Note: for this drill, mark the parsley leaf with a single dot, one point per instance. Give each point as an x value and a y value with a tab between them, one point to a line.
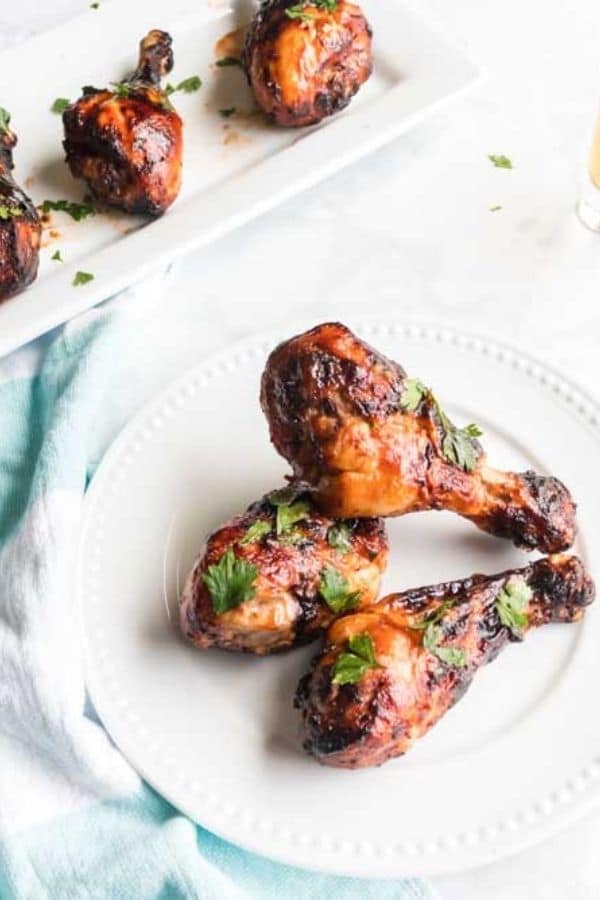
230	582
77	211
338	537
7	211
230	61
452	656
495	208
414	391
256	532
82	278
56	256
188	85
4	120
334	590
434	617
298	10
226	113
94	5
512	602
122	89
59	105
500	162
289	510
350	666
458	447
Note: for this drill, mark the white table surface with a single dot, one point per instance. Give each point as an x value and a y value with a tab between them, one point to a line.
409	231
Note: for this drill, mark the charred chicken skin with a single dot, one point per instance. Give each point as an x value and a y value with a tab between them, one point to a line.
127	143
389	673
369	441
306	61
277	575
20	228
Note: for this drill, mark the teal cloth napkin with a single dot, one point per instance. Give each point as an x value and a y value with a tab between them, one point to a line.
75	820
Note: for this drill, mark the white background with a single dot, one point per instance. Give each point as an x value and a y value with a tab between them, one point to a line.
409	231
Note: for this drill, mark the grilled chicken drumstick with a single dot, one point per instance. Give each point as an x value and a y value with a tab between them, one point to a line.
371	442
278	574
127	142
387	674
20	229
306	60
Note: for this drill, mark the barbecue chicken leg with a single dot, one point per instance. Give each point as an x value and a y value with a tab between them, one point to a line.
389	673
20	228
305	61
127	143
369	441
277	575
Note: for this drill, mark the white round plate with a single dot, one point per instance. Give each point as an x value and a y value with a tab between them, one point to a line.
216	733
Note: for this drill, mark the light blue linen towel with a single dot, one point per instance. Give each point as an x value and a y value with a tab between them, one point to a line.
75	820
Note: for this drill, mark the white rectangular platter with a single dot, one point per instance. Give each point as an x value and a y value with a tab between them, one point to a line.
234	169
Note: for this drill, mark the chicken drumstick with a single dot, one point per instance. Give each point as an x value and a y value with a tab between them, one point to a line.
127	142
277	576
20	228
387	674
371	442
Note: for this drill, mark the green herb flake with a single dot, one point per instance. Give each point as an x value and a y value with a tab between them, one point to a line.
77	211
4	120
227	112
188	85
122	89
350	666
94	5
256	532
287	516
59	105
230	61
458	447
413	393
56	256
7	212
335	591
338	537
230	582
500	162
495	208
82	278
512	603
451	656
298	11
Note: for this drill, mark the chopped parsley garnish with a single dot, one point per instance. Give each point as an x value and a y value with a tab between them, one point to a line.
256	532
56	256
227	112
432	635
414	391
188	85
82	278
4	120
94	5
289	510
298	11
230	582
512	602
495	208
457	443
500	162
122	89
338	537
335	591
452	656
77	211
59	105
351	665
7	212
230	61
